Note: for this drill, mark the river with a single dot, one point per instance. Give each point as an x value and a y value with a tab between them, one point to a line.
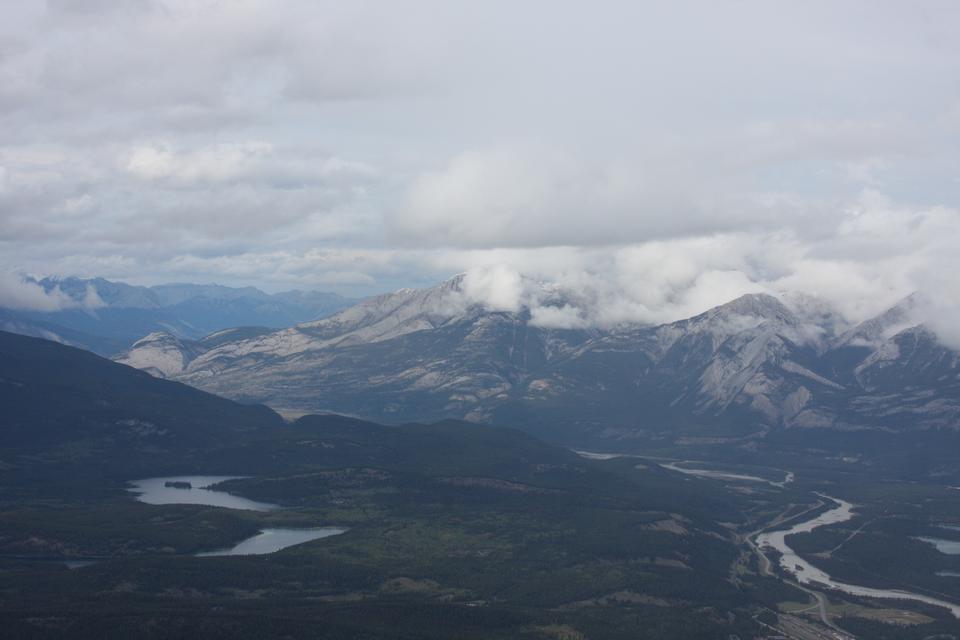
726	475
700	473
793	564
806	573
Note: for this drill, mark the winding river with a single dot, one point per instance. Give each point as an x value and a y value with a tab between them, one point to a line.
807	574
790	561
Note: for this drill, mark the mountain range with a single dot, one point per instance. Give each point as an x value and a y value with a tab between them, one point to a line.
452	519
107	317
756	366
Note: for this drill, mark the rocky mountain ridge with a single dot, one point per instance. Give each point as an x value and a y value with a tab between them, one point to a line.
755	364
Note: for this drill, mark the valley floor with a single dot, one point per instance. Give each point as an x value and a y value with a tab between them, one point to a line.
445	539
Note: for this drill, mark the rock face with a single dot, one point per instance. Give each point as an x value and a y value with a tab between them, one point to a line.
160	354
755	364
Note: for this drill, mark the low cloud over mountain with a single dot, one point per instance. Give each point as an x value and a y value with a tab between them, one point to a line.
369	147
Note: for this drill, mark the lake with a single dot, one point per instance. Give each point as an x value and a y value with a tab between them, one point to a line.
156	491
949	547
196	490
271	540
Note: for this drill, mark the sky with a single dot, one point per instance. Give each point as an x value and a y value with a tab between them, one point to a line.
659	158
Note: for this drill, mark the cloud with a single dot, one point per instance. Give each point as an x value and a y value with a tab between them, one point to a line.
944	321
564	316
21	292
541	196
880	253
18	292
217	163
499	288
599	296
642	157
939	306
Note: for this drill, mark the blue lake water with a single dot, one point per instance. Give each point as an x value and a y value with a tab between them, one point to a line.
155	491
272	540
949	547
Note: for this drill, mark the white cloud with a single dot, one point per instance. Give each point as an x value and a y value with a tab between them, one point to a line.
17	292
499	288
564	316
216	163
542	196
91	299
880	253
642	156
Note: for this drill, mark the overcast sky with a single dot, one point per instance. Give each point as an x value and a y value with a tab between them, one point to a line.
667	155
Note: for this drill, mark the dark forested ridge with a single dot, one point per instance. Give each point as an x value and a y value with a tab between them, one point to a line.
66	409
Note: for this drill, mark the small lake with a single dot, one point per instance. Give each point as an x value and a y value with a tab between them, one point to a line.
193	490
949	547
272	540
196	490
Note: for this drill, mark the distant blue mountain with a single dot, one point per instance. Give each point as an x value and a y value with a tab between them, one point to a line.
110	316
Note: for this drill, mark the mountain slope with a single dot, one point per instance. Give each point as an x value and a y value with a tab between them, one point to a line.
752	364
738	372
731	371
66	406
